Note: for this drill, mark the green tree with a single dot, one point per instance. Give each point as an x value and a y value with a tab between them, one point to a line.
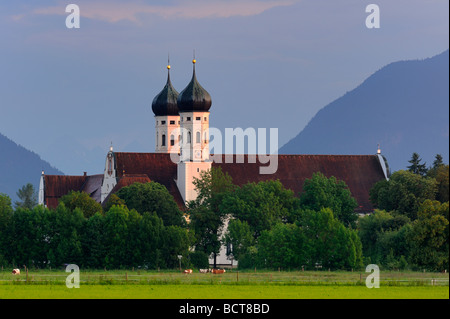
212	186
82	201
416	166
152	197
113	200
262	205
94	242
27	196
206	217
316	238
440	172
66	232
238	236
438	161
330	243
177	242
152	241
403	193
283	246
30	236
199	259
322	192
206	226
429	236
381	232
6	215
383	237
6	210
116	233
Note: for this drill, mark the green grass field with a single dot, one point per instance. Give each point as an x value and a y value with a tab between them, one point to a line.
219	292
231	285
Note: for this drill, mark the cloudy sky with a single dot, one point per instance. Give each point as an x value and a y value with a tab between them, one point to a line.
66	94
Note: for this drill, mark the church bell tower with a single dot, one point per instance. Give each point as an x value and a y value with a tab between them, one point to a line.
194	103
167	119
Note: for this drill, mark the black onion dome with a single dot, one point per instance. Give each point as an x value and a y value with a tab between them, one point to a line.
194	98
165	103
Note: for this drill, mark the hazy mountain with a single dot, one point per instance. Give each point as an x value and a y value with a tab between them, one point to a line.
404	106
19	166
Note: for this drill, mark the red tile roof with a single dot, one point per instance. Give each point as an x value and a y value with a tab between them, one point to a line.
57	186
157	166
359	172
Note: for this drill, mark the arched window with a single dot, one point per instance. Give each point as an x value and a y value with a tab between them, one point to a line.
163	140
189	138
197	138
110	165
172	140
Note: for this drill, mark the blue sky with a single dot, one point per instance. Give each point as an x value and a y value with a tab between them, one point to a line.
67	93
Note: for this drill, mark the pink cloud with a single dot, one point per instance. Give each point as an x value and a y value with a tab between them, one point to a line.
197	9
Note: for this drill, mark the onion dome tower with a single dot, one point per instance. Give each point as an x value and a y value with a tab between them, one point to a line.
194	103
194	98
165	103
167	119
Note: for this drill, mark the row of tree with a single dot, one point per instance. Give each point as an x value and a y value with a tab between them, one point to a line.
266	225
411	225
263	225
119	238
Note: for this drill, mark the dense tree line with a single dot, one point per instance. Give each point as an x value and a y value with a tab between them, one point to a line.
268	226
78	231
263	224
410	227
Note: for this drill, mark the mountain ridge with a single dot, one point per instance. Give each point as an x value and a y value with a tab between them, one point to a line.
403	106
19	166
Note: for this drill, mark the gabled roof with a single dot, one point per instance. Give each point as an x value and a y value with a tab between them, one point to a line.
359	172
157	166
56	186
92	186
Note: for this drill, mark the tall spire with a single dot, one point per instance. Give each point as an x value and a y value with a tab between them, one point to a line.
168	69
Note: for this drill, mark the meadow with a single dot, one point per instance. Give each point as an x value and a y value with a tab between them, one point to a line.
138	284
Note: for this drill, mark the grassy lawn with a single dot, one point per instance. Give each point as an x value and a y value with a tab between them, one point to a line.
219	292
231	285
